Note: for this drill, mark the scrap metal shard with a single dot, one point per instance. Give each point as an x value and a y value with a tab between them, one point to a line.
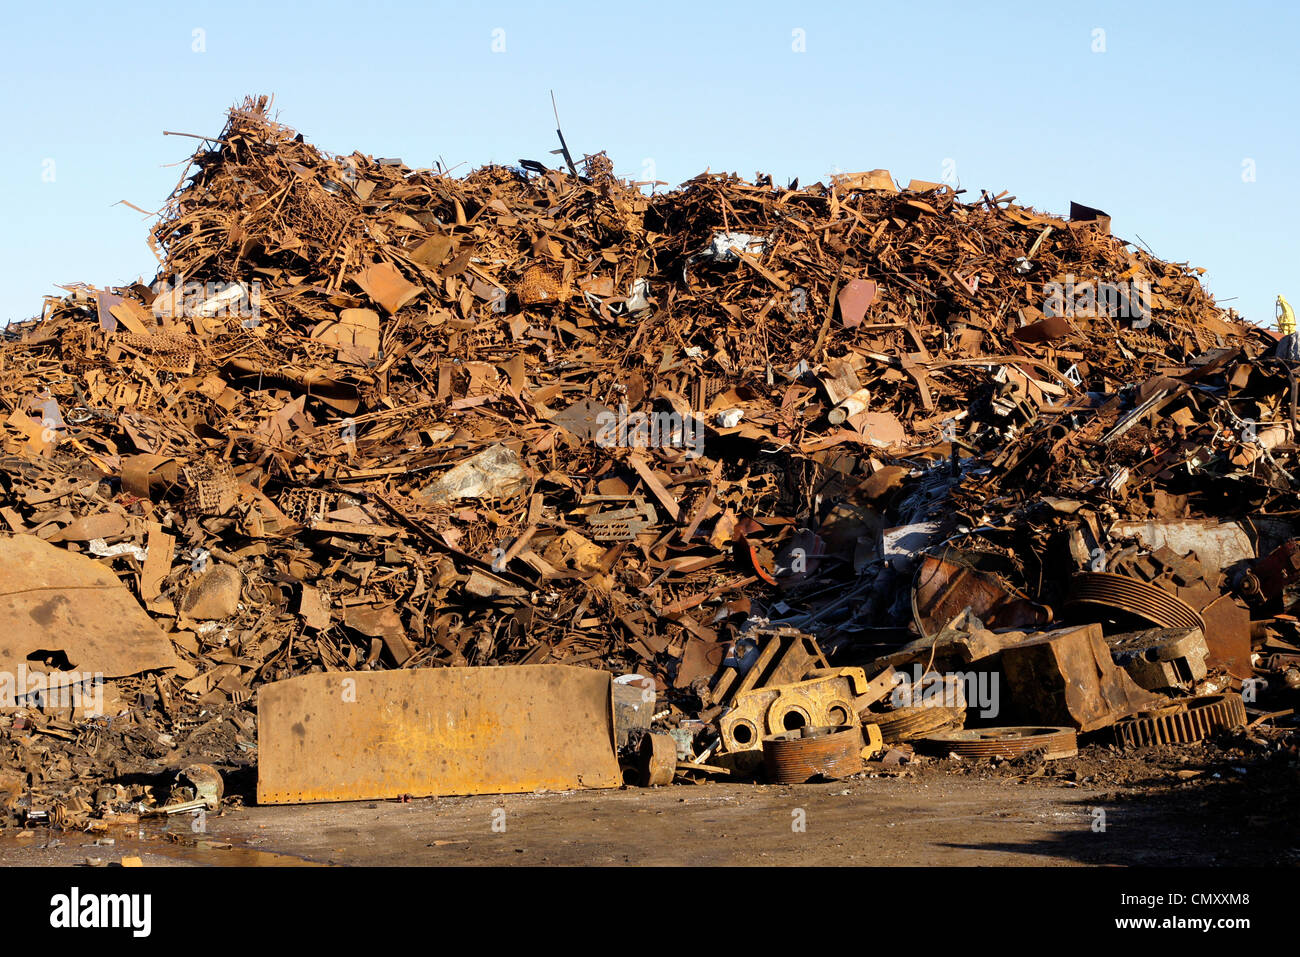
57	604
435	732
945	587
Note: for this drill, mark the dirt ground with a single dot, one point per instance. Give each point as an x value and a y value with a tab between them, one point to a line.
1199	805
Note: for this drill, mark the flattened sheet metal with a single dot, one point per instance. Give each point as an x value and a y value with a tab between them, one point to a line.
53	600
359	736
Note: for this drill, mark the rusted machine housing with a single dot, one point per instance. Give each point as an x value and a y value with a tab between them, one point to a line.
784	655
1275	577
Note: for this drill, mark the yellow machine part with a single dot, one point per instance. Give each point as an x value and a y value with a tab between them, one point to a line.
826	700
1285	316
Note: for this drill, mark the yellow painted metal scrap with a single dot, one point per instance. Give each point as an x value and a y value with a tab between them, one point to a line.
352	736
1285	316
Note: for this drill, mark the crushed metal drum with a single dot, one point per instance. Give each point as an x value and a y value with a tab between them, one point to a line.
657	760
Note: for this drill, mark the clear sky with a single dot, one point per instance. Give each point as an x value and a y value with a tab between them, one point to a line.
1179	119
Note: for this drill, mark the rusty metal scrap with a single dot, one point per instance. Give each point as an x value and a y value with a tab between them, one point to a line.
794	757
828	699
65	612
1138	597
1005	742
1274	578
370	418
435	732
1162	658
1185	721
905	724
1068	677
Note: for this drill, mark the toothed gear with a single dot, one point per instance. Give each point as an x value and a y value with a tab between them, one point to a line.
1183	722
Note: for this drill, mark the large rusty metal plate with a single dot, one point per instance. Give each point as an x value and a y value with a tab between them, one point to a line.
54	602
356	736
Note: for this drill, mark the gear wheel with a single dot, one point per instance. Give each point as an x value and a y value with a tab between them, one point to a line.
903	724
1182	722
1006	742
799	756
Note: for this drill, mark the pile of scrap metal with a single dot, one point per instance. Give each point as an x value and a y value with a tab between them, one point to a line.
372	419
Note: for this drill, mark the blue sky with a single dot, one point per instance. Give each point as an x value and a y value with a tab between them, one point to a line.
1159	120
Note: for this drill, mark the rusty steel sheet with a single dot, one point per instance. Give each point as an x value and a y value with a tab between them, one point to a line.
944	587
435	732
73	611
1227	636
